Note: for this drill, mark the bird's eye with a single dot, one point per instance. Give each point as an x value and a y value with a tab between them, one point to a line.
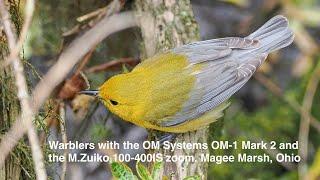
113	102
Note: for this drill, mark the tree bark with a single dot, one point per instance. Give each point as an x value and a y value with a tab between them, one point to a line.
9	104
9	110
166	24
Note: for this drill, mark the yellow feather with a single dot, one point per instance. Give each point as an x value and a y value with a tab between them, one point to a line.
157	88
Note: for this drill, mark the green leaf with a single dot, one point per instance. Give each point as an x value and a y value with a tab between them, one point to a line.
157	166
196	177
121	171
143	171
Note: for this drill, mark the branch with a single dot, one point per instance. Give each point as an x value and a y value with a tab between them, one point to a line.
305	120
68	58
110	64
23	34
77	49
64	138
6	22
83	63
27	115
92	14
276	90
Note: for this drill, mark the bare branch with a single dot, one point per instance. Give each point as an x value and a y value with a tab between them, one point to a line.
27	114
10	32
83	63
36	152
77	49
68	58
92	14
315	123
110	64
63	130
305	120
276	90
23	34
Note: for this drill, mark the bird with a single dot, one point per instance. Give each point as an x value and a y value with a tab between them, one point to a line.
188	87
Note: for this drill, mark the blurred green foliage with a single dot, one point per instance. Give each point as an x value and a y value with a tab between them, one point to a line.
99	132
51	20
275	121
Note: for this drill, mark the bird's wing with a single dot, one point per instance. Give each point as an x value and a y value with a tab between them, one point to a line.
213	49
227	64
219	78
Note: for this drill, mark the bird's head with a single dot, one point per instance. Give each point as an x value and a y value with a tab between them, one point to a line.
116	94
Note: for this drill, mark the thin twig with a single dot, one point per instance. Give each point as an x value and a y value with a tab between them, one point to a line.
315	123
27	115
23	34
6	22
85	60
107	65
36	153
64	138
92	14
276	90
77	81
68	58
305	120
95	17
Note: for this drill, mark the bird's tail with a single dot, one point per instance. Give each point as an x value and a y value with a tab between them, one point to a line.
273	35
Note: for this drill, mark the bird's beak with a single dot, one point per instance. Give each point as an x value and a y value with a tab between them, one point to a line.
90	92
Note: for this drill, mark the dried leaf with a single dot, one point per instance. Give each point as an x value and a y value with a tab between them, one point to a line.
72	86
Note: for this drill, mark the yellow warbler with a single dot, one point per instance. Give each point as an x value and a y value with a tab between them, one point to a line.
186	88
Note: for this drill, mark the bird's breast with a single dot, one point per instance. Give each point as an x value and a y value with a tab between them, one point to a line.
166	82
